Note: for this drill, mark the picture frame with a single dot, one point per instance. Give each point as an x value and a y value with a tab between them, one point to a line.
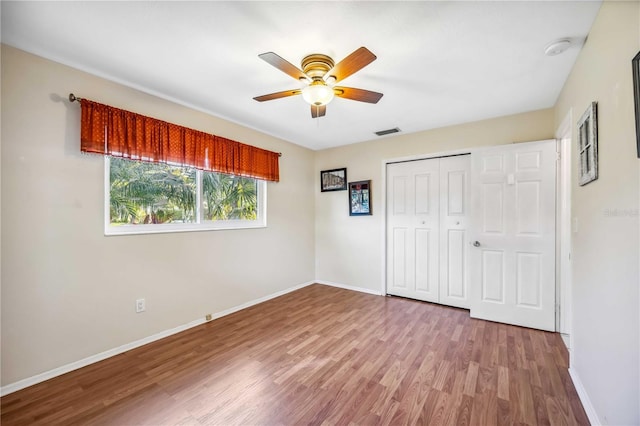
588	145
333	180
635	66
360	198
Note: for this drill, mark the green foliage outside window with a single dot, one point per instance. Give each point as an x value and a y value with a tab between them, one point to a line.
150	193
229	197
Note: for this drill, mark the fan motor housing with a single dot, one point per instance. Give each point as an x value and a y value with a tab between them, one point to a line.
316	65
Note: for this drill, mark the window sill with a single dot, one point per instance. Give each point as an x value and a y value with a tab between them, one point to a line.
172	228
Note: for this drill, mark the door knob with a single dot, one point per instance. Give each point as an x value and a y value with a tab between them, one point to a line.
476	244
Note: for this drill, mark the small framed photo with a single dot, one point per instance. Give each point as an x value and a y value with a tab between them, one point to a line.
588	145
333	180
635	65
360	198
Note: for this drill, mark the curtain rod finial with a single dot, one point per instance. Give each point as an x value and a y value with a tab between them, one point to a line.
73	98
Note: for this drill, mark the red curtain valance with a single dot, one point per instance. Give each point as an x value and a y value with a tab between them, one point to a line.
111	131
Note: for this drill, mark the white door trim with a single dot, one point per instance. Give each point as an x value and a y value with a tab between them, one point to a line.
563	230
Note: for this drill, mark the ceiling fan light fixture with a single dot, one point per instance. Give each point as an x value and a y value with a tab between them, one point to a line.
318	75
317	93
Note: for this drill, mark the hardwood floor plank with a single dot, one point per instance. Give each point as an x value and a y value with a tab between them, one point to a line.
487	379
485	408
388	412
320	355
504	412
455	401
463	417
525	396
503	383
540	407
471	379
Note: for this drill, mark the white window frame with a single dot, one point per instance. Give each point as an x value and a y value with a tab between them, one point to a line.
588	145
199	225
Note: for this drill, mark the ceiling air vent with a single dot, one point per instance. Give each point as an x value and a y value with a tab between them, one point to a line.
387	132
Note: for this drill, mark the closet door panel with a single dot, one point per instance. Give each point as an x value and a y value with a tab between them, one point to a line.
454	217
413	209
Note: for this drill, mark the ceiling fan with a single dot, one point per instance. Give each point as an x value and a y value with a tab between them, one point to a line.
319	75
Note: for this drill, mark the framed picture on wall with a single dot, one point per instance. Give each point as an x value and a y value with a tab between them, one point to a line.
360	198
635	65
588	145
333	180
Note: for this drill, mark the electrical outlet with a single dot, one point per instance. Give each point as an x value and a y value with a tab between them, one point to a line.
208	317
141	305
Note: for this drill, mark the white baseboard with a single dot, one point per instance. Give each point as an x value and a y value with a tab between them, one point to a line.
38	378
349	287
584	398
566	340
260	300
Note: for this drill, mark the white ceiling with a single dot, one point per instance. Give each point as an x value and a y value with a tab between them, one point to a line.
439	63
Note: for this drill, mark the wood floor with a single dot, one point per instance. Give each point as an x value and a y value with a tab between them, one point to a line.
320	355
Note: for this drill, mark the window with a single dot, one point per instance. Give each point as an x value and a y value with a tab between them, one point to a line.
588	145
145	198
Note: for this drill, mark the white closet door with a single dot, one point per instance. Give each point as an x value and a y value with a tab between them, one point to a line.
512	261
413	229
454	217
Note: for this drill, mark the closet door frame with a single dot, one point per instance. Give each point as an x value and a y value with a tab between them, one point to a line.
383	199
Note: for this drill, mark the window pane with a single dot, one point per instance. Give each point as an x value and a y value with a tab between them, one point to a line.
588	160
583	139
227	197
148	193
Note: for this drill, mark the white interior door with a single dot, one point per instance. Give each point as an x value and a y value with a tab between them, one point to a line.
512	260
454	217
412	229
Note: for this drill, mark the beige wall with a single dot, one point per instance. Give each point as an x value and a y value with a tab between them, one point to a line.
349	250
68	291
605	248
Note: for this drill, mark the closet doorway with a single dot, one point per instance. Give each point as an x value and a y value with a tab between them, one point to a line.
427	222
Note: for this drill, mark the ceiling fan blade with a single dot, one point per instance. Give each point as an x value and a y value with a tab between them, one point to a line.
278	95
318	111
283	65
357	94
357	60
